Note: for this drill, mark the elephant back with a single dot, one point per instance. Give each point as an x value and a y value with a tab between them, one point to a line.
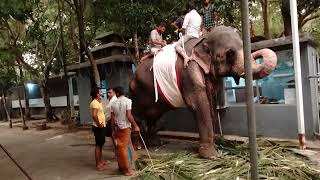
189	45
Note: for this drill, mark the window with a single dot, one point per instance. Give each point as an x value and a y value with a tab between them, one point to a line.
277	88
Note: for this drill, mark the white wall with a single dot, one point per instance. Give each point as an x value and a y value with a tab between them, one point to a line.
60	101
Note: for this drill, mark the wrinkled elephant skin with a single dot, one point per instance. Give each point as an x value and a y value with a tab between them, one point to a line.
218	55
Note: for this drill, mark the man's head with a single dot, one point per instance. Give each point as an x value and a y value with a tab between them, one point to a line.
96	93
110	93
161	28
205	2
119	91
190	6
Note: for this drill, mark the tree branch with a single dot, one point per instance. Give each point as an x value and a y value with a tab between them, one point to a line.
55	20
48	64
303	16
72	6
304	21
10	30
26	65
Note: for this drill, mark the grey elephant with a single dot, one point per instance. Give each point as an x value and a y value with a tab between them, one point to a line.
218	55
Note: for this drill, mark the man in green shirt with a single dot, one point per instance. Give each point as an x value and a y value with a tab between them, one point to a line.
209	15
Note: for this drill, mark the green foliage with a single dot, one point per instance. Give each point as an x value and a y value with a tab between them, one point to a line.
313	28
128	17
42	35
8	75
305	6
35	25
229	11
275	19
140	16
20	10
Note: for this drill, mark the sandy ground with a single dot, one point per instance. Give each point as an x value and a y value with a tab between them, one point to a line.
53	154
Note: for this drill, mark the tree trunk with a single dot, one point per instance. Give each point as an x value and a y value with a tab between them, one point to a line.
265	14
79	11
6	110
20	109
93	64
50	117
136	45
24	125
26	99
22	114
79	4
63	62
252	32
73	36
285	11
27	112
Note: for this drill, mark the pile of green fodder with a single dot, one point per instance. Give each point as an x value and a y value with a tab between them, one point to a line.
276	161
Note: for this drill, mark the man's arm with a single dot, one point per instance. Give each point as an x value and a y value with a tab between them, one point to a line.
156	42
174	24
112	123
215	14
154	39
216	18
183	31
95	117
185	23
132	121
202	25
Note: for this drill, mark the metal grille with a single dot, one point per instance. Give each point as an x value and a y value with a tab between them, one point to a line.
315	85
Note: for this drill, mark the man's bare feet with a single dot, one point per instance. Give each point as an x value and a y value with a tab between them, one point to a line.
129	173
104	162
101	167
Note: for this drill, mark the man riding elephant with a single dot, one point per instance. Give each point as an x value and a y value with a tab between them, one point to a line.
218	55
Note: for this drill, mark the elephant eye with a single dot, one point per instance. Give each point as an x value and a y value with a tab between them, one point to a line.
206	48
231	55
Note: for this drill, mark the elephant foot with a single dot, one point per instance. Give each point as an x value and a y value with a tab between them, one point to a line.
154	141
208	151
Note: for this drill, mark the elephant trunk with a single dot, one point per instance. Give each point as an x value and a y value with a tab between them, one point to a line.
267	66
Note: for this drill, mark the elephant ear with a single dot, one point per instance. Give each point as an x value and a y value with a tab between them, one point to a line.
201	54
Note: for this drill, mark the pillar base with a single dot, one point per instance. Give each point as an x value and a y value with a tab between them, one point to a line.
302	141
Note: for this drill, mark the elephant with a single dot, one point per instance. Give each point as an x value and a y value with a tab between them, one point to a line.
218	55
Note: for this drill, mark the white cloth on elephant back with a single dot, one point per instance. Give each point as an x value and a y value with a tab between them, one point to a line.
165	75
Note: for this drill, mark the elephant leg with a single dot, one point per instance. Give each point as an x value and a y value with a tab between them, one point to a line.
154	124
150	123
205	124
197	99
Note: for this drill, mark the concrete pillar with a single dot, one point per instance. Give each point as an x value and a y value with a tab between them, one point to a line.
71	94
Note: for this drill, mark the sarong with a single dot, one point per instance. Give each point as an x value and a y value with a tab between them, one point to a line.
125	152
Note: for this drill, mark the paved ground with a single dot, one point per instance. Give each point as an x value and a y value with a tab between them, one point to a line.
52	155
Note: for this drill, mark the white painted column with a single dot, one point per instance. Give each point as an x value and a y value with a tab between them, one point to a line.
297	71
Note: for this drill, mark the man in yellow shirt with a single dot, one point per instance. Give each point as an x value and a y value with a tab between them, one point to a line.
98	125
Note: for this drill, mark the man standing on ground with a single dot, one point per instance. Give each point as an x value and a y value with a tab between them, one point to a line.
122	121
209	15
111	95
98	125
